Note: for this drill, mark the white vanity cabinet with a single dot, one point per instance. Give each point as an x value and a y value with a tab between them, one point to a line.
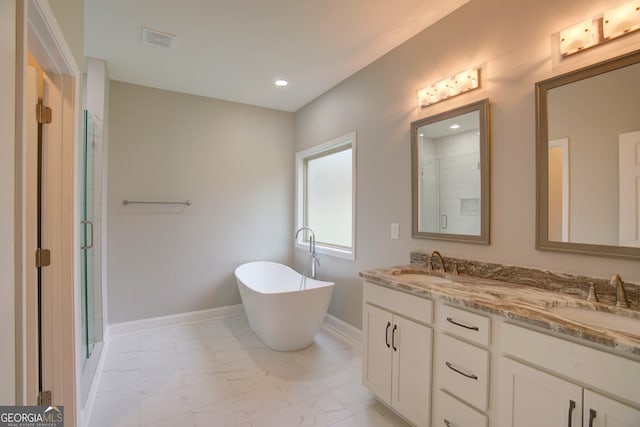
440	364
462	368
558	383
397	349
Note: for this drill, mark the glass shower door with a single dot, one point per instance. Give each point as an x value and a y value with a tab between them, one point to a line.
90	236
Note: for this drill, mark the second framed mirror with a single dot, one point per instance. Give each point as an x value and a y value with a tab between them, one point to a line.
450	175
588	160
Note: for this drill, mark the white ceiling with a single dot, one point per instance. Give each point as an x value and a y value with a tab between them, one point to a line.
235	49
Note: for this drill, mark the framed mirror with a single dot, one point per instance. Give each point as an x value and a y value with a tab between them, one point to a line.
450	175
588	160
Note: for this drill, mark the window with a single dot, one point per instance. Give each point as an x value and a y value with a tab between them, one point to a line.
326	196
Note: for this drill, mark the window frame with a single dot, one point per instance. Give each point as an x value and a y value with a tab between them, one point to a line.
321	150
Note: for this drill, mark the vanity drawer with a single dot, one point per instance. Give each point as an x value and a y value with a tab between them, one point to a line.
411	306
464	370
450	412
461	323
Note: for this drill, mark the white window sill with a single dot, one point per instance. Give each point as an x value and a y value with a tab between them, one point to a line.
325	250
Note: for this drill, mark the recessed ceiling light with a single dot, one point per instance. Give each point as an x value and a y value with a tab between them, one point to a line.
454	126
281	83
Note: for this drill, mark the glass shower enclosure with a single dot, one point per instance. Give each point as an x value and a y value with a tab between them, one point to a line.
91	247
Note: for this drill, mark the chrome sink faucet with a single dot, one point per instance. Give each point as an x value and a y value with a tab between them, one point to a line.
443	269
593	294
621	295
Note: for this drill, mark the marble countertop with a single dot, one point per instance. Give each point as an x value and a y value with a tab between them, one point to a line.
526	304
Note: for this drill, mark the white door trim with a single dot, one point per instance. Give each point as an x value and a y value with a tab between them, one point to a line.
629	189
563	145
39	34
7	200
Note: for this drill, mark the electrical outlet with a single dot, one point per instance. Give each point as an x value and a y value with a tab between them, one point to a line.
395	230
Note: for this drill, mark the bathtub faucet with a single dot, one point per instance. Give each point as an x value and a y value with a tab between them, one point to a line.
313	261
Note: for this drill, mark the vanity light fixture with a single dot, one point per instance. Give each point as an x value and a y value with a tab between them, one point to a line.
578	37
622	20
613	23
451	86
281	83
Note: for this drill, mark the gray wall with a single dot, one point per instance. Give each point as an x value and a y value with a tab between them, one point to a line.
513	42
233	161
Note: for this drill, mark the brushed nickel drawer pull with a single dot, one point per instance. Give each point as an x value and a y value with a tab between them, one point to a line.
462	325
453	368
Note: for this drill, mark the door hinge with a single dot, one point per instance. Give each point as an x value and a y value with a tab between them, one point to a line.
44	398
43	257
43	113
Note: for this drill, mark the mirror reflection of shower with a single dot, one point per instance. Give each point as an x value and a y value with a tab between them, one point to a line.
450	176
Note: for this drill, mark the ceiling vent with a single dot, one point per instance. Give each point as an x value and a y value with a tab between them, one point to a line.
158	38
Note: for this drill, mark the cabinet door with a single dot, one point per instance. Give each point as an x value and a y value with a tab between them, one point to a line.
376	366
532	398
411	388
600	411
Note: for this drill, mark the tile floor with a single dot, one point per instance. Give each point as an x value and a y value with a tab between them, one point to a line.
219	373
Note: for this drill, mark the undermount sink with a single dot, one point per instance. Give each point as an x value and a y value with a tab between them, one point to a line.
423	278
599	319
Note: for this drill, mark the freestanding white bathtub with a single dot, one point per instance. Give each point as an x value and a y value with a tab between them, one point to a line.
285	317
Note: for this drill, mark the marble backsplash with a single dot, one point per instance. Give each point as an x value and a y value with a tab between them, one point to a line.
558	282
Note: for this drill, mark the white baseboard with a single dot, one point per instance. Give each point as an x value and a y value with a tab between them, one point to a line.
344	330
85	414
331	323
174	320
